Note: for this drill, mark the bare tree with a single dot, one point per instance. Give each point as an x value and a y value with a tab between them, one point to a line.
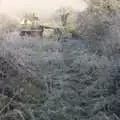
63	13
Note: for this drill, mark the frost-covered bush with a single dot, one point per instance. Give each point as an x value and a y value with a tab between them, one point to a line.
93	80
99	27
100	23
24	65
69	79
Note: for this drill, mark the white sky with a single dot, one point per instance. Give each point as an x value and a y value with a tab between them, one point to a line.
44	7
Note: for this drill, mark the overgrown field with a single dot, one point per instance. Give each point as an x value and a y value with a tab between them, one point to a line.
51	80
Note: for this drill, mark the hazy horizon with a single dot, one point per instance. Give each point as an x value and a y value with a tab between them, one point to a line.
43	7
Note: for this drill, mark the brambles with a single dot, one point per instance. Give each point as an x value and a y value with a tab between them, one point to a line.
70	79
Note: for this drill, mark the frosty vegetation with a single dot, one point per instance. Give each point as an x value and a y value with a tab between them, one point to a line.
72	79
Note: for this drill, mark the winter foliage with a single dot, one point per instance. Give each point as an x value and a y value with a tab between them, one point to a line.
71	79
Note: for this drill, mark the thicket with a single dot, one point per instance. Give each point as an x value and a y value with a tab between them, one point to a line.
67	80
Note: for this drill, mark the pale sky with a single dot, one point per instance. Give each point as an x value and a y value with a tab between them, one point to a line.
44	7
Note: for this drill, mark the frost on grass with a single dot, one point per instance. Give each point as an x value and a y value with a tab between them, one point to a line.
57	80
24	68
